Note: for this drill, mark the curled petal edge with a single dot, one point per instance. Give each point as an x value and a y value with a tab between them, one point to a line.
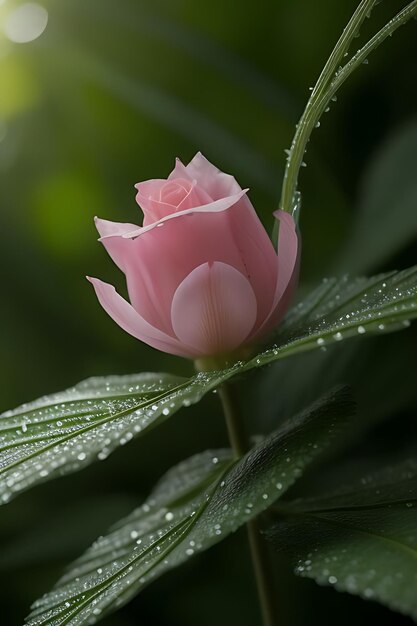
214	207
130	321
106	228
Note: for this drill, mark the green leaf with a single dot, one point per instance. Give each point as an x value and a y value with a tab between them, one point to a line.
345	308
195	506
387	219
62	433
379	384
361	539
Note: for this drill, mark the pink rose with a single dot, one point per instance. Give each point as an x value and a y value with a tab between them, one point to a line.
202	274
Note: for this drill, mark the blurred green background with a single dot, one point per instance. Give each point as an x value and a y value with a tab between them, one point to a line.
107	96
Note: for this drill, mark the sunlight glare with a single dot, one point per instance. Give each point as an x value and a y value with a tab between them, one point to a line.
26	22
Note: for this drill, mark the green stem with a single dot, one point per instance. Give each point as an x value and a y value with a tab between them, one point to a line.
330	80
260	560
313	110
361	55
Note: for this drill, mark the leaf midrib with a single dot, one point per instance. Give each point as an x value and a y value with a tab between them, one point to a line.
387	504
383	538
187	523
92	426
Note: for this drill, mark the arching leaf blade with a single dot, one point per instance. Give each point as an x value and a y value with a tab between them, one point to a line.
196	505
360	539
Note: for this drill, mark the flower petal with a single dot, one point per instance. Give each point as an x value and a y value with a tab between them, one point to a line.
213	207
288	257
257	254
161	258
159	198
179	171
110	229
209	177
127	318
110	236
214	309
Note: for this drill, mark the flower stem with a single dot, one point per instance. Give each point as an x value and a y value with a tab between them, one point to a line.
316	105
260	561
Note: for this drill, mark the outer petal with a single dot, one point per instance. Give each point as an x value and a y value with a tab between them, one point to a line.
108	229
134	324
256	252
250	238
161	258
288	255
209	177
110	233
214	309
213	207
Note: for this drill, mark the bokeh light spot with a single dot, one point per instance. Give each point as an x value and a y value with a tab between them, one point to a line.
26	22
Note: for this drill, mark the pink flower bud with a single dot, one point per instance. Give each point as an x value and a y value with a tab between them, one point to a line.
202	275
